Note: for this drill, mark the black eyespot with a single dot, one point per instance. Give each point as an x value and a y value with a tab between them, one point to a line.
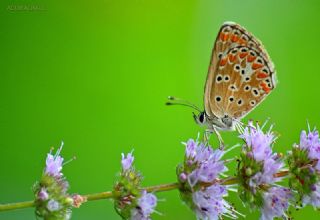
234	51
247	79
244	37
239	101
252	53
243	72
232	87
218	98
269	85
237	33
252	102
251	44
259	61
247	88
226	29
220	55
237	67
265	70
267	80
255	92
219	78
244	50
231	99
226	78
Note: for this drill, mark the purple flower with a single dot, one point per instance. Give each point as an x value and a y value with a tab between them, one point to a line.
204	165
145	206
127	161
209	203
311	143
314	197
53	205
275	203
259	147
258	142
206	161
54	163
43	194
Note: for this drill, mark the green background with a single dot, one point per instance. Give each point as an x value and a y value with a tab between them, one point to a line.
96	75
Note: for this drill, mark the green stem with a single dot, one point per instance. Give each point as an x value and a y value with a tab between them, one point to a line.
17	205
108	194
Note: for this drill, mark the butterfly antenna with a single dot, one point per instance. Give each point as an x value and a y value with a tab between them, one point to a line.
177	101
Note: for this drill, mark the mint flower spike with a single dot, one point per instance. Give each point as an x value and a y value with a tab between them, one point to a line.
52	200
276	202
54	163
145	206
127	161
304	164
130	201
203	165
257	174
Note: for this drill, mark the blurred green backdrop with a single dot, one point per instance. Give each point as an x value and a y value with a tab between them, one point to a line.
96	74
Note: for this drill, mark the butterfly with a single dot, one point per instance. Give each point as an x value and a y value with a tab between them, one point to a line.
240	76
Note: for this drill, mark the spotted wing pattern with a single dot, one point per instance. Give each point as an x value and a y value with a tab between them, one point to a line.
240	75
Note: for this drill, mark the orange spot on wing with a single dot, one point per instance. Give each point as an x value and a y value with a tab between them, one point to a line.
262	75
232	57
242	55
234	38
256	66
251	58
265	87
223	61
224	37
242	42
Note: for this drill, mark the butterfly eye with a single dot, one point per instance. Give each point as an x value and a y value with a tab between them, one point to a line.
201	117
237	67
218	98
247	88
255	92
252	102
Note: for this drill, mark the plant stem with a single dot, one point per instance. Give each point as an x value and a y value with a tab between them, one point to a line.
18	205
108	194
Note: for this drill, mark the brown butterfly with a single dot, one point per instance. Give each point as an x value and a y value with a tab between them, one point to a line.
240	77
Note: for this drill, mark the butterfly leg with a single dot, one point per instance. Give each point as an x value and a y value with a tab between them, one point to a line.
210	131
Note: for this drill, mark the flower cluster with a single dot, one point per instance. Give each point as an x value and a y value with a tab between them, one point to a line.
51	197
257	174
304	166
129	200
200	187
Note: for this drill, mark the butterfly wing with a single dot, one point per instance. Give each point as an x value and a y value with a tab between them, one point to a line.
240	74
